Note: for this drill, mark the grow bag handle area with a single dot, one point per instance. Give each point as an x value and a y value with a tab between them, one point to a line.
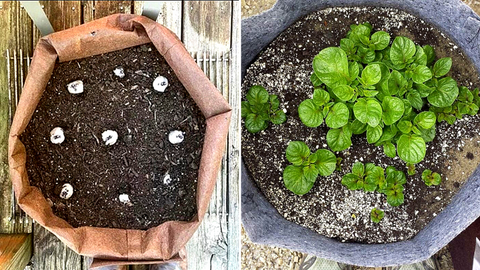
261	220
38	16
150	9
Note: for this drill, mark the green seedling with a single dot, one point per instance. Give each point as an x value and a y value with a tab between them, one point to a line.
260	109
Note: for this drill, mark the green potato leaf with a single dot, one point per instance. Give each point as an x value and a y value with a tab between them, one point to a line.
245	109
380	40
274	102
402	50
331	66
415	99
358	169
395	198
315	80
326	162
339	139
257	95
442	67
310	114
344	92
421	74
320	97
373	178
358	127
423	90
297	152
353	70
396	178
428	50
393	109
295	181
425	120
411	148
368	110
444	94
396	83
374	134
352	181
255	123
338	116
348	46
376	215
310	172
405	126
420	57
371	74
389	149
278	117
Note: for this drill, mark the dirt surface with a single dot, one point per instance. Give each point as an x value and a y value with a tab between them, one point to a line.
138	163
330	209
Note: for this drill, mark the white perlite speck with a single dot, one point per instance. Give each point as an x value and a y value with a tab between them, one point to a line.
109	137
57	136
75	87
167	179
160	84
67	191
176	136
124	199
119	72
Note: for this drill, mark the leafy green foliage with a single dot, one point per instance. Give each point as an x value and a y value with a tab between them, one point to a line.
394	93
371	178
260	109
431	178
376	215
302	174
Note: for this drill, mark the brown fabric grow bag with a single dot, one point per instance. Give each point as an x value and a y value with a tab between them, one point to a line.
116	32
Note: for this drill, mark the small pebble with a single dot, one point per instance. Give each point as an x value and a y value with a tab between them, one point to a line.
119	72
160	84
75	87
110	137
67	191
57	136
128	138
176	136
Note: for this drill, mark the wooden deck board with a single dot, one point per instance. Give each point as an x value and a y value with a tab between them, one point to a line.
170	15
205	27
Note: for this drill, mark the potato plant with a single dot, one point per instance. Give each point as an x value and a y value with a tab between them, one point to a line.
394	93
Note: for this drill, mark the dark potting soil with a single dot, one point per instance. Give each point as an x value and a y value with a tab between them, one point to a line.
284	68
137	164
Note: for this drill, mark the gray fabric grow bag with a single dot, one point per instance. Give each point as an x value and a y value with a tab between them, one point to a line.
262	221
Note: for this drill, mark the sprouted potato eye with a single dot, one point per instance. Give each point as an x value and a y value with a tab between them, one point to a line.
109	137
160	84
57	136
75	87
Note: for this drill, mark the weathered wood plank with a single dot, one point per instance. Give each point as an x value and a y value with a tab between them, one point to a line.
62	15
15	251
50	253
14	37
6	225
234	141
170	15
209	40
97	9
207	25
